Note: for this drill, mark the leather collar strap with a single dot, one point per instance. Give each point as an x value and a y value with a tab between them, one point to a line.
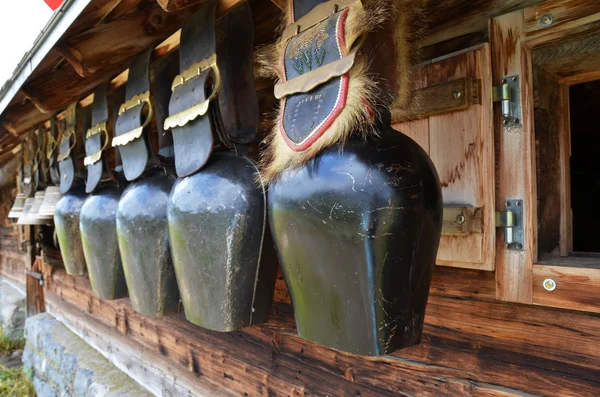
130	138
214	92
66	162
37	171
96	139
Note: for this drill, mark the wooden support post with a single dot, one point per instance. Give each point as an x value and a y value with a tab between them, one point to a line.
34	279
515	156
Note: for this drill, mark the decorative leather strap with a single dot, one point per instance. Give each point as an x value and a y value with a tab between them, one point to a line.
132	142
316	66
214	92
138	149
66	162
96	140
27	179
39	179
52	139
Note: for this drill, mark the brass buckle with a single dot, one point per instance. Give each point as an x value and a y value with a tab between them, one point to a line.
95	157
63	155
129	136
182	118
196	69
96	129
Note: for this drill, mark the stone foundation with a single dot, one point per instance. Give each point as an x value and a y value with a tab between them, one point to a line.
12	310
62	364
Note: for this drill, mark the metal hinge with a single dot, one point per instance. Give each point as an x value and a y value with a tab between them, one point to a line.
508	94
511	221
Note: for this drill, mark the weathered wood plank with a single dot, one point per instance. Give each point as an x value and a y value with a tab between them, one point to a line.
564	147
456	18
461	148
548	172
566	15
515	156
576	288
446	97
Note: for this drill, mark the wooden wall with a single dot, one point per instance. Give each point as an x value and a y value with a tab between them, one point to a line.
12	257
472	344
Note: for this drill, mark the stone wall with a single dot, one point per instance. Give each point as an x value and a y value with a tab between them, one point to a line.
12	310
62	364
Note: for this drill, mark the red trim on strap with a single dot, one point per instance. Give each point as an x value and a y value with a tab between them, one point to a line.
341	103
54	4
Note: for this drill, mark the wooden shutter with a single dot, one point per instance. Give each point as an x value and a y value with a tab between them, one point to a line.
451	118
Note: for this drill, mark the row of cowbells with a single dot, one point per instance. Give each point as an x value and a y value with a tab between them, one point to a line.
35	211
197	239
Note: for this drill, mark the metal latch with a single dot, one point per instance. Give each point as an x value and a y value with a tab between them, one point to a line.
511	221
36	275
508	94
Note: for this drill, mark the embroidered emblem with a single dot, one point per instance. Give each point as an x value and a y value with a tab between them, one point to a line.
309	43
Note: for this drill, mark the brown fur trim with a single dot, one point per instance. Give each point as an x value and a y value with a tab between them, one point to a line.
364	93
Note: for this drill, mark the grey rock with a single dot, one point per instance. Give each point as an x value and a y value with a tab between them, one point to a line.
64	365
12	310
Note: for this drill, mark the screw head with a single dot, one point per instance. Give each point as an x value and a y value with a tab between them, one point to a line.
549	284
460	219
546	19
514	78
457	94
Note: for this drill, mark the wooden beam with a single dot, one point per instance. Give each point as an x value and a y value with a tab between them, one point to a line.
117	41
564	148
455	18
515	156
568	17
441	98
176	5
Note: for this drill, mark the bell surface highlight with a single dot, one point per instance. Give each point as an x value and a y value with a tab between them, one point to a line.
98	223
17	208
143	236
66	221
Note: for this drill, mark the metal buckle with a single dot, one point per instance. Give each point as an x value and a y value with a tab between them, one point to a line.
137	100
68	134
96	129
196	69
95	157
182	118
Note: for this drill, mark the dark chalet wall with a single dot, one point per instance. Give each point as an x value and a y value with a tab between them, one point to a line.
472	345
